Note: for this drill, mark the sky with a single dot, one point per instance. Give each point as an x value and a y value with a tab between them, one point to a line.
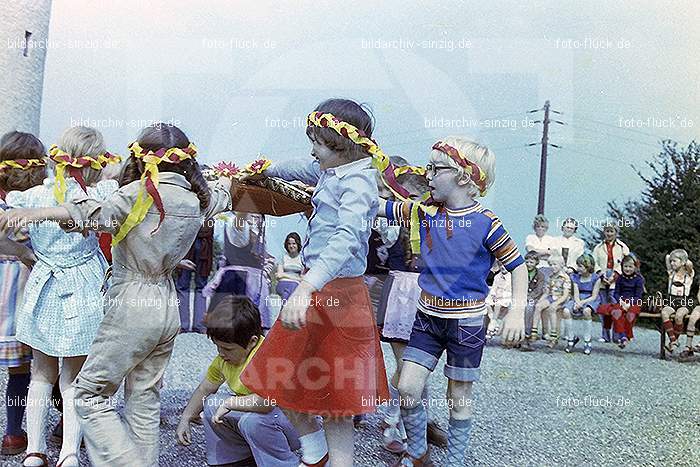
239	77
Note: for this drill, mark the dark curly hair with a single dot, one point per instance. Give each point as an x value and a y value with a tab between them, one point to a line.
234	320
162	135
296	237
358	115
17	145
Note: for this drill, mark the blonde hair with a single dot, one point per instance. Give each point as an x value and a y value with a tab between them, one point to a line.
556	259
83	141
680	254
474	152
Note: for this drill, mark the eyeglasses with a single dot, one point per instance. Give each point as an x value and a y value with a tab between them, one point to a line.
432	169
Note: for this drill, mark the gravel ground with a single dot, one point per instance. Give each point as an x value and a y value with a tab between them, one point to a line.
531	409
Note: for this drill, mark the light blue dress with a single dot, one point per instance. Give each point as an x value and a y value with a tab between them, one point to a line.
63	305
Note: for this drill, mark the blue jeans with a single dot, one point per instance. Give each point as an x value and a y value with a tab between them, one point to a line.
462	338
267	437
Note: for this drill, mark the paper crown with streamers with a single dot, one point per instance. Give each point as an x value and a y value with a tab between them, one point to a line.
22	164
475	173
381	162
148	193
74	165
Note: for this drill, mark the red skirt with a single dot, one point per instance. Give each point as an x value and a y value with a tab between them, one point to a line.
333	366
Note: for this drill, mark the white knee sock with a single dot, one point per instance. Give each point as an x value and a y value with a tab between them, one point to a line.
568	331
72	434
313	446
38	401
587	330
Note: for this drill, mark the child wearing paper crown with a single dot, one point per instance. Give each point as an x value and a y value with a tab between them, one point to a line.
22	166
322	356
154	218
62	306
459	241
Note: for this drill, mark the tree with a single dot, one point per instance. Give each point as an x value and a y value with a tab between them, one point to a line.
666	217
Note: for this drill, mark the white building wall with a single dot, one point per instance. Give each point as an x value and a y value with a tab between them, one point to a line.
22	77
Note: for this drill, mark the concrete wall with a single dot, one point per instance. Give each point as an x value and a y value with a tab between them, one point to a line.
22	77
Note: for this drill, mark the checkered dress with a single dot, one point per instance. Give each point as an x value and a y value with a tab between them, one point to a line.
63	304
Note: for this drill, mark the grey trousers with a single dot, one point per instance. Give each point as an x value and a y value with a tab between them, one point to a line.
133	345
269	438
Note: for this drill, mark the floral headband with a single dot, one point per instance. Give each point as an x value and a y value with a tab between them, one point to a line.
475	173
148	194
74	165
22	164
381	162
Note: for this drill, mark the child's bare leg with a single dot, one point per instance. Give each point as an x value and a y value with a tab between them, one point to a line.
392	414
339	435
397	348
312	437
459	396
413	413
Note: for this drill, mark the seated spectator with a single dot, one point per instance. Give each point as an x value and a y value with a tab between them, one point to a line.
568	245
290	269
541	243
240	427
608	256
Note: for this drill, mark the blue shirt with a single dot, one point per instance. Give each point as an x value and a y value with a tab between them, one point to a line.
345	203
453	281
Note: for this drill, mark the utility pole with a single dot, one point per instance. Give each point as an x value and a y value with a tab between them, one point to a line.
543	155
543	159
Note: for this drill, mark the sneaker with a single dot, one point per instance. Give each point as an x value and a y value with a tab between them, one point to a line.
622	343
671	346
571	344
13	444
553	343
587	347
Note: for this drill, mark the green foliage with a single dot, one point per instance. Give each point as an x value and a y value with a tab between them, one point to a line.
667	216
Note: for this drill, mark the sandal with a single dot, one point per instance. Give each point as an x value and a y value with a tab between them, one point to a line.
39	455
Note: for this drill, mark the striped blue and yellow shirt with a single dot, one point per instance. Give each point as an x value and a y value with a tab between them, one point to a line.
458	247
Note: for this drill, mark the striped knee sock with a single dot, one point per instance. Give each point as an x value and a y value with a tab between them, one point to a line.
458	441
416	423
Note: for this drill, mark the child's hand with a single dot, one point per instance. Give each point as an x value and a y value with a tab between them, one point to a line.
223	410
293	314
513	326
183	433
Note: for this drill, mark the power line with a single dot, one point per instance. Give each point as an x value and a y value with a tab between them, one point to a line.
598	132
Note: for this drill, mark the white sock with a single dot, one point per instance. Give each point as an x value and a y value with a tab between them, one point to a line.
587	330
38	401
72	434
313	446
568	331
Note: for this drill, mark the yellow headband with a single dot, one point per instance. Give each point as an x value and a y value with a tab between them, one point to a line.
380	161
74	165
22	164
148	194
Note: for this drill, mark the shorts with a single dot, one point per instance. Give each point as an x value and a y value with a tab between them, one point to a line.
464	340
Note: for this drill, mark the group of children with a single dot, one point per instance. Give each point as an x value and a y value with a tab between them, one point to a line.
606	282
299	386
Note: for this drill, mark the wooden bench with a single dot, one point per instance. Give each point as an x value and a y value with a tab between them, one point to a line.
659	327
